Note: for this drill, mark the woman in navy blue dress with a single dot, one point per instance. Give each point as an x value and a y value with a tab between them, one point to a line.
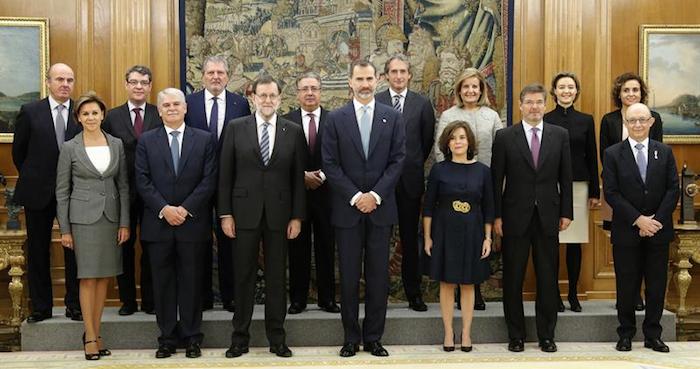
458	212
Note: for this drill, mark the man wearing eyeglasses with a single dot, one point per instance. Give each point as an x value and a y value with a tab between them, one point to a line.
311	117
261	196
127	122
641	185
211	109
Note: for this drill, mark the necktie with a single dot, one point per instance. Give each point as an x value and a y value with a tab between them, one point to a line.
312	132
365	129
214	118
641	161
265	144
138	122
397	103
60	126
535	146
175	149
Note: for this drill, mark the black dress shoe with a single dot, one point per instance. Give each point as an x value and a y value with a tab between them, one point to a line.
479	305
574	304
281	350
656	344
38	316
236	351
164	351
74	314
296	308
148	309
127	309
375	348
417	304
561	307
624	344
349	349
193	351
516	345
230	306
547	345
639	306
207	306
331	307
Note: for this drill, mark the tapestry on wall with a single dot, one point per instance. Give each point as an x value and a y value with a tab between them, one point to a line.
285	38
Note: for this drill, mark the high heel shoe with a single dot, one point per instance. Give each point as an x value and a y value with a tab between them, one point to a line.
574	304
103	351
90	356
465	348
450	348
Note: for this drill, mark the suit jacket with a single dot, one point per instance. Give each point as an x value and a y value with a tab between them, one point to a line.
192	188
419	118
248	189
348	170
236	107
118	124
83	194
35	153
549	187
313	159
631	197
611	130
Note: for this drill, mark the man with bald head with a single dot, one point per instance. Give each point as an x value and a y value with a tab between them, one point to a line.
42	127
641	185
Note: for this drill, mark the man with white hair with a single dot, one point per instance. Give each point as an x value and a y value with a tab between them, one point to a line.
176	178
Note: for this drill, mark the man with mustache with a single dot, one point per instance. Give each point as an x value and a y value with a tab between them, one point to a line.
363	151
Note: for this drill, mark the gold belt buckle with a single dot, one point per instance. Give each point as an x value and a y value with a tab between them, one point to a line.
461	206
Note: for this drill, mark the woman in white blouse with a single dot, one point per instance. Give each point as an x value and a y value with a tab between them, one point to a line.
92	195
472	106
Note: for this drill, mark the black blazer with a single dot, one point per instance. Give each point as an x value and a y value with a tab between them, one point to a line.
549	187
419	119
584	155
118	124
248	189
630	197
192	188
35	153
611	130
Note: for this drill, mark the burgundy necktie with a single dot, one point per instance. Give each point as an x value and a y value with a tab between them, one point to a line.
535	146
312	132
138	122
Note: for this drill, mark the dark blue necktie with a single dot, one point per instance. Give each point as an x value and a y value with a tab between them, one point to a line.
214	118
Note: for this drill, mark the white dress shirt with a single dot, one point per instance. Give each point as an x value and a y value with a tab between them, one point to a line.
209	104
53	104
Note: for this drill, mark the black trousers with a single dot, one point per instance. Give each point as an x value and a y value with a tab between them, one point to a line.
516	251
176	269
317	228
366	243
645	260
39	225
245	256
127	280
224	260
409	214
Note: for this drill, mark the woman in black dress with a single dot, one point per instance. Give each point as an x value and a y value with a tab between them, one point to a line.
584	160
458	212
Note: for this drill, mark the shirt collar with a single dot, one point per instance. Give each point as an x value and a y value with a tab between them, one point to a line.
644	142
358	105
528	127
53	103
132	106
316	113
394	93
180	129
208	95
259	120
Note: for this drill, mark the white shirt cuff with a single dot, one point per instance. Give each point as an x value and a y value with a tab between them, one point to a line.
376	197
353	200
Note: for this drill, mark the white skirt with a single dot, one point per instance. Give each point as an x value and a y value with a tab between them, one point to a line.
578	229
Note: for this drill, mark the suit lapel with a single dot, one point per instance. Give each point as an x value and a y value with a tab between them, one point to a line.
379	122
251	132
72	127
653	159
150	119
163	141
126	119
81	154
113	157
280	139
353	129
629	161
187	144
545	144
521	141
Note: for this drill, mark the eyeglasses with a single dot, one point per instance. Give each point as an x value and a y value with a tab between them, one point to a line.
309	88
264	97
134	83
638	120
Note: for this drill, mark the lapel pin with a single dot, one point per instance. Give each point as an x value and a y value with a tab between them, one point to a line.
383	120
656	155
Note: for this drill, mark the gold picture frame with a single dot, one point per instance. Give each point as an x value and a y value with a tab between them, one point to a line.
24	54
667	65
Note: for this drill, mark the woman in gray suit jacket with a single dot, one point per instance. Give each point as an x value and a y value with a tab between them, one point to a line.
92	195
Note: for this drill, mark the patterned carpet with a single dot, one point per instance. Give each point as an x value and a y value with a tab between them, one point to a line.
485	356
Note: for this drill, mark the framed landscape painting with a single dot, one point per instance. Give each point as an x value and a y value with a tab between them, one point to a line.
669	61
24	58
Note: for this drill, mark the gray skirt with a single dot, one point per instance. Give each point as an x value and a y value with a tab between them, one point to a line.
97	252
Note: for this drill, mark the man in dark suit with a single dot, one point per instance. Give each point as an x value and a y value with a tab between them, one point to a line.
225	106
261	197
363	150
176	178
418	115
127	122
532	178
312	118
641	185
42	127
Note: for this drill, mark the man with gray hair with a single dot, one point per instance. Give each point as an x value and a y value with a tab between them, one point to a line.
211	109
176	178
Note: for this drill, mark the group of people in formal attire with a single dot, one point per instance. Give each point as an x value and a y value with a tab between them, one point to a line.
198	169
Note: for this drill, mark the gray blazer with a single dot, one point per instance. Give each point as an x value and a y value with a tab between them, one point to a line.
83	194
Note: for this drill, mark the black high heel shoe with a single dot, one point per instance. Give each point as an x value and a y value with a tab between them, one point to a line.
450	348
103	352
574	304
90	356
